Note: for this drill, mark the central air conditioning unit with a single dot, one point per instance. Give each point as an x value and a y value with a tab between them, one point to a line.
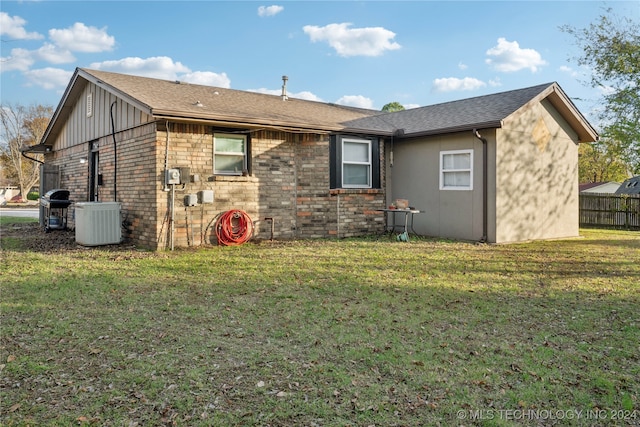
98	223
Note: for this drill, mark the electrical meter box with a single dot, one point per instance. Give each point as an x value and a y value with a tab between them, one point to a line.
205	196
172	176
185	175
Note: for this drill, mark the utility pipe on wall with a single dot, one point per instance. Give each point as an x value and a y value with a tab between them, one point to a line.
173	219
485	186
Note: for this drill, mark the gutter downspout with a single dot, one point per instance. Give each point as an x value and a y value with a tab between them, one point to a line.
31	158
115	154
485	186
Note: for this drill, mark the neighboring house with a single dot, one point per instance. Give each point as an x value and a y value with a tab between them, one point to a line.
630	186
304	169
599	187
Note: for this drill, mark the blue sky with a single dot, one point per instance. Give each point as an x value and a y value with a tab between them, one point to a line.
359	53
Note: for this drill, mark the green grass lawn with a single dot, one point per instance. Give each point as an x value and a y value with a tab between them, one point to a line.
356	332
7	220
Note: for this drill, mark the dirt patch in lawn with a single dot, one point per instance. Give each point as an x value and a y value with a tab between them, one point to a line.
32	237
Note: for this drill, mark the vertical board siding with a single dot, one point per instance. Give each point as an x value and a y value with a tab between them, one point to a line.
80	129
610	210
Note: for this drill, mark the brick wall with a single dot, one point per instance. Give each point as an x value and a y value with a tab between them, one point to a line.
137	178
288	186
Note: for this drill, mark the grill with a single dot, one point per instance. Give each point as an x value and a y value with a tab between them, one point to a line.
55	204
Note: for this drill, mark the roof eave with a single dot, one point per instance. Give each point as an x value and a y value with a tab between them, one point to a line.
67	102
115	91
237	121
362	131
37	149
573	116
454	129
62	107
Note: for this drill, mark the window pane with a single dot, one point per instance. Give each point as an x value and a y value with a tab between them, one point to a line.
456	161
462	161
356	152
229	164
457	179
355	175
447	161
228	144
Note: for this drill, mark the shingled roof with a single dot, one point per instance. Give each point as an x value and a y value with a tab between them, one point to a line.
630	186
480	112
175	100
163	98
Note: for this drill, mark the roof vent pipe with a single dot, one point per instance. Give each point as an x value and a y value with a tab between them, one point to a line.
284	88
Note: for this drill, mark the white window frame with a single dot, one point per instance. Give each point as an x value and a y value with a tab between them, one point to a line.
230	153
368	163
444	171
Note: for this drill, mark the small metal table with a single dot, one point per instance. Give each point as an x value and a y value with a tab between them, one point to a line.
405	224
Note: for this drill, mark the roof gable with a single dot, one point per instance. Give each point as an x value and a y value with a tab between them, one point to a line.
480	112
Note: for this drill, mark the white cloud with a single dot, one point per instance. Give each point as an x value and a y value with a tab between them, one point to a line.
80	38
462	66
159	67
20	60
410	106
53	54
371	41
13	27
495	82
507	56
569	70
48	78
206	78
306	95
269	10
355	101
450	84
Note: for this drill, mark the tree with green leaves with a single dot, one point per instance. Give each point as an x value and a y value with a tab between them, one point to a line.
611	50
21	127
393	106
602	161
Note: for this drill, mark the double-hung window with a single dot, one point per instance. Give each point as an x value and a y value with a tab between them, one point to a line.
229	154
356	163
456	170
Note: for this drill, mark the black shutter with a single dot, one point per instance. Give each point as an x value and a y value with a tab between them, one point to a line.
375	163
335	155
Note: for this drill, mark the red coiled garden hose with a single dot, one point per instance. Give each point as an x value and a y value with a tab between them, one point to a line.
233	227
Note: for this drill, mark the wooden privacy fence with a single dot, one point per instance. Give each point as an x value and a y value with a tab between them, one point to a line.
610	210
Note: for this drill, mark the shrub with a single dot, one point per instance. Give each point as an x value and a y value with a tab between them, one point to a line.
33	195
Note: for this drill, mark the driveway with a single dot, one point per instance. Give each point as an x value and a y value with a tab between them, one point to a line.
20	212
